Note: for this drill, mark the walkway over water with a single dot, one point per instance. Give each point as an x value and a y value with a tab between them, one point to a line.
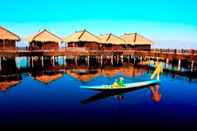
156	53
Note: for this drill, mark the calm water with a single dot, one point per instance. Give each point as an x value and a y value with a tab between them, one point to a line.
51	96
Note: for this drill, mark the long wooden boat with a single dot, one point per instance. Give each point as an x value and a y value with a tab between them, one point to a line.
126	86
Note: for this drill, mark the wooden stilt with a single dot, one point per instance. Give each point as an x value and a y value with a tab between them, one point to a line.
192	66
0	64
42	61
53	60
117	60
76	60
122	59
112	59
32	61
88	60
134	59
101	60
65	63
167	63
179	65
28	61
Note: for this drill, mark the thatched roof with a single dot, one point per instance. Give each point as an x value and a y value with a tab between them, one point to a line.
7	35
136	39
82	36
44	36
111	39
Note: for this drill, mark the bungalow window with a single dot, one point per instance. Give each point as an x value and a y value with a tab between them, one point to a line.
109	45
81	44
39	45
125	46
1	41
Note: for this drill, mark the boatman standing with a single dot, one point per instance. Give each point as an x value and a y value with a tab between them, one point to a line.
158	70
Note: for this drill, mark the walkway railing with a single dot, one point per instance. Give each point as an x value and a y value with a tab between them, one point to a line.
85	51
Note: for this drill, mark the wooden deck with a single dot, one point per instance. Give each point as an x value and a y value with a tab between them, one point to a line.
160	53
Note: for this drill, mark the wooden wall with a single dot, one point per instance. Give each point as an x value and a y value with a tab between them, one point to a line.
50	45
97	46
44	45
142	47
8	44
116	47
88	45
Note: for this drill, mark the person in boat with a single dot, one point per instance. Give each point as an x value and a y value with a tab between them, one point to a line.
118	83
158	70
115	84
121	82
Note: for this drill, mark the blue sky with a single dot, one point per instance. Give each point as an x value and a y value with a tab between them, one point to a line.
161	20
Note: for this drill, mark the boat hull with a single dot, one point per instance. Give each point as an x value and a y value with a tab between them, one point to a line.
127	86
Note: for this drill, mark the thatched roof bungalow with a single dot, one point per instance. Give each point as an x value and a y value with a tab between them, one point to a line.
83	39
110	41
137	41
44	40
8	39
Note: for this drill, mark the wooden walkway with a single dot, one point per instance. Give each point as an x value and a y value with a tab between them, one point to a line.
155	53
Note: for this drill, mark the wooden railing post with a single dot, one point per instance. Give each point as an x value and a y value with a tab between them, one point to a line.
42	61
179	65
112	59
65	63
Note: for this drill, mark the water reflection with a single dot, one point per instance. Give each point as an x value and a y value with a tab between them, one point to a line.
87	74
9	74
48	69
45	73
156	96
62	99
5	85
48	77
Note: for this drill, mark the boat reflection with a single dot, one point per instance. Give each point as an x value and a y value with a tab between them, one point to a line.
119	97
119	94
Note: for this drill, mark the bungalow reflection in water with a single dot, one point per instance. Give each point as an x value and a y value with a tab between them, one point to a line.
9	74
12	75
